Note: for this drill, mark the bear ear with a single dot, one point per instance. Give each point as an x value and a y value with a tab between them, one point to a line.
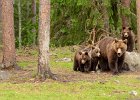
116	40
86	53
125	41
124	27
130	28
80	52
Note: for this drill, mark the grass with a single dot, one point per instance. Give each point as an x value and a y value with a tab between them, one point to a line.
25	64
113	88
65	91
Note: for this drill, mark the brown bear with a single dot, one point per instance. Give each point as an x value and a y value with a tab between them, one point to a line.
86	60
82	61
112	54
128	34
95	55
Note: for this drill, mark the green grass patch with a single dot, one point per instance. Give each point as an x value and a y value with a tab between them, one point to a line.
67	65
28	52
66	91
25	64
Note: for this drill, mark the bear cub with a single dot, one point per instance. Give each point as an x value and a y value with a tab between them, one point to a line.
95	56
128	34
86	60
82	61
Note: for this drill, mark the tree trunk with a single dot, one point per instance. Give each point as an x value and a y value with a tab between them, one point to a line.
34	21
8	38
44	41
0	25
106	19
138	23
28	7
115	15
105	15
19	15
125	18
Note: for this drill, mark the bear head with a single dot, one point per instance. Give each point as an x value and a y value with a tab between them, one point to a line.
126	32
84	56
95	51
120	47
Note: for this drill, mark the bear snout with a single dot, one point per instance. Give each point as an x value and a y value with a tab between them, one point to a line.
126	34
83	61
119	52
98	54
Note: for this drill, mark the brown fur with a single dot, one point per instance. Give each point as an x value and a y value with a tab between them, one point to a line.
95	55
112	54
90	55
82	61
128	34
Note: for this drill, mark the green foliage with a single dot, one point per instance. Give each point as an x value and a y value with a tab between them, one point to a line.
26	23
72	19
69	19
133	16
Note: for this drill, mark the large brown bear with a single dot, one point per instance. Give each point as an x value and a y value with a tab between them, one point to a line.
112	54
82	61
128	34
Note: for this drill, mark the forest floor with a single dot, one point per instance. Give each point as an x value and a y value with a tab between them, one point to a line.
70	85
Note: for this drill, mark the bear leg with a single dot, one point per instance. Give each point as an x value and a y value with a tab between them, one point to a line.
75	66
103	64
81	68
113	67
87	66
93	65
120	63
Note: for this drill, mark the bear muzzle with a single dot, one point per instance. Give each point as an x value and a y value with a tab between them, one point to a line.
119	52
83	61
98	54
126	34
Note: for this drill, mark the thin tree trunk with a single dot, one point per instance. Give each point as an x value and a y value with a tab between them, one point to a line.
125	18
9	54
28	4
0	25
115	15
44	40
19	15
0	10
105	15
106	19
34	21
138	23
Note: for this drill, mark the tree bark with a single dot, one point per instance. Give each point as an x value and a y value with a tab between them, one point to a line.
0	25
8	38
19	15
115	15
27	8
138	23
34	21
44	41
105	15
125	18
